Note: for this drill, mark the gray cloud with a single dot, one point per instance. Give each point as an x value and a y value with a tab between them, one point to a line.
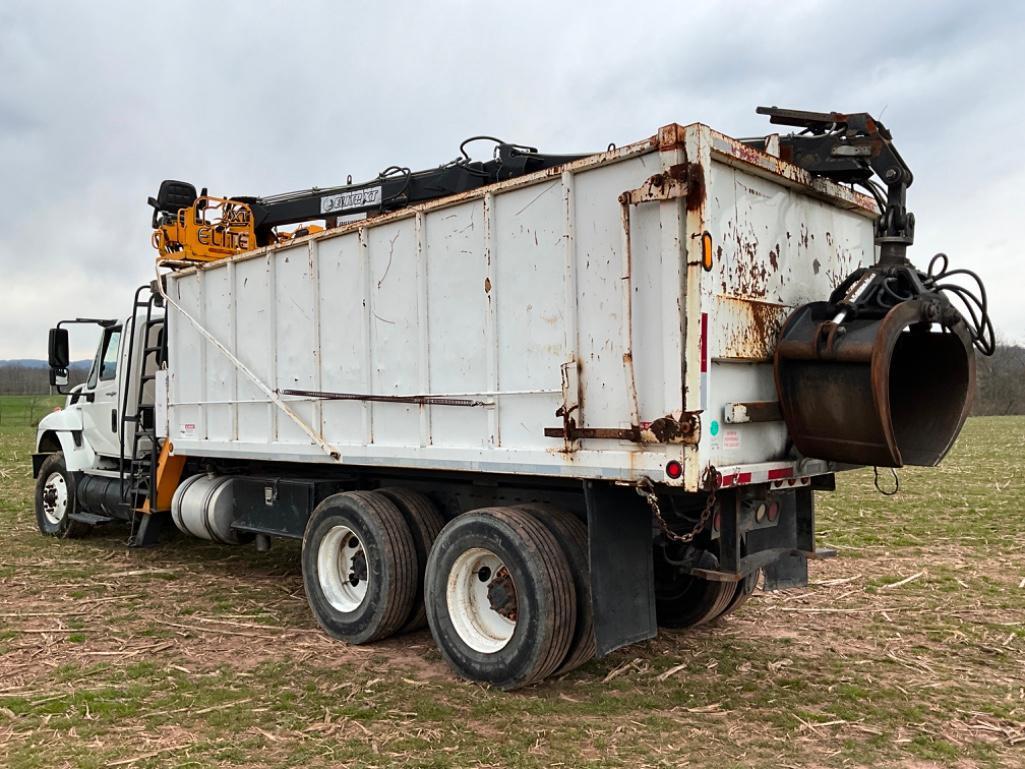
100	101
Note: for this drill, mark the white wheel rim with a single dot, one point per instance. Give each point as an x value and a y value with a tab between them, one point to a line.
342	569
482	626
55	498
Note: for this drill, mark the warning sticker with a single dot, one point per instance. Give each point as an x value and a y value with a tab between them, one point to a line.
731	439
186	429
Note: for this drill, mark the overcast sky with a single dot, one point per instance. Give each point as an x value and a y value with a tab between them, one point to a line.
99	101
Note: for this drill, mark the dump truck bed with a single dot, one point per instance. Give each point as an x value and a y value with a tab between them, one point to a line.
605	319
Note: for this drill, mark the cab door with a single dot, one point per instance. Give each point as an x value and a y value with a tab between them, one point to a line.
101	400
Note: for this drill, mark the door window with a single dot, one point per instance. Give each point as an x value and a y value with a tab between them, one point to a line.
108	368
105	367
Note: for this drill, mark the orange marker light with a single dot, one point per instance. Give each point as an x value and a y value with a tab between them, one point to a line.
706	252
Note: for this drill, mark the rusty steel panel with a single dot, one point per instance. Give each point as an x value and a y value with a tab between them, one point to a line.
749	328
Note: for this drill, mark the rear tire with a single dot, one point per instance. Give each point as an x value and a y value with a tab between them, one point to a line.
359	566
744	590
500	597
687	601
571	533
425	523
56	499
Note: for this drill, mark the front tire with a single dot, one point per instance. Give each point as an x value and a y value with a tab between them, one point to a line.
55	499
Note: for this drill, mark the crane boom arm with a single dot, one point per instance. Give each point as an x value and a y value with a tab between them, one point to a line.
197	227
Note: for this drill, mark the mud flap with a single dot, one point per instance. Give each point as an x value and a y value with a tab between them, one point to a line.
619	539
790	570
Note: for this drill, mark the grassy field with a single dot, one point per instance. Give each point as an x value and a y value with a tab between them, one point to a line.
907	650
26	410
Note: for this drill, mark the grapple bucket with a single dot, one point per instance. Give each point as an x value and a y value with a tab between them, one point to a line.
887	392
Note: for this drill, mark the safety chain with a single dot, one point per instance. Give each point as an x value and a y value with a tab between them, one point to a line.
709	480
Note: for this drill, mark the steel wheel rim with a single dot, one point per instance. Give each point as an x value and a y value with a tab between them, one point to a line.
55	498
481	600
342	569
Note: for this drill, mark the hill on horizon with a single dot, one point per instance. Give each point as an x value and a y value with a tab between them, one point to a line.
36	363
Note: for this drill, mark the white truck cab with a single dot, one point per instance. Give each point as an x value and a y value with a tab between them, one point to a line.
90	436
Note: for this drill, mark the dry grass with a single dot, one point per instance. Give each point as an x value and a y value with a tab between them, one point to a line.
907	650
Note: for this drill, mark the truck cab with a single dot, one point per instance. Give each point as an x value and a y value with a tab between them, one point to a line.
104	431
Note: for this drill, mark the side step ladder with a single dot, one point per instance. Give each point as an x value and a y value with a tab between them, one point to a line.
149	468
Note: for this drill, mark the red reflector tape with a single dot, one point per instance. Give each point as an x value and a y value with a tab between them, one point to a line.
782	472
726	480
743	477
704	342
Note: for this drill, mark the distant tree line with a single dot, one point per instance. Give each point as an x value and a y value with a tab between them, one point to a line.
18	379
1000	382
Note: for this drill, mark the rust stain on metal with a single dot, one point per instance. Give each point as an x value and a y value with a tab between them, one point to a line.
752	411
752	329
844	263
695	176
672	428
670	137
938	369
676	428
502	594
734	150
748	274
670	184
487	285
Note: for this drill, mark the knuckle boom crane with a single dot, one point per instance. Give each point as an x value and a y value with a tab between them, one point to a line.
195	227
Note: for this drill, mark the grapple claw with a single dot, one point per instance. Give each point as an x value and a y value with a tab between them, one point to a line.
886	392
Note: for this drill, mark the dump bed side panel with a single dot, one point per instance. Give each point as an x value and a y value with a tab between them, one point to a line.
480	305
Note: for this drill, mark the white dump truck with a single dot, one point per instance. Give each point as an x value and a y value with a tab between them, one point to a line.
543	404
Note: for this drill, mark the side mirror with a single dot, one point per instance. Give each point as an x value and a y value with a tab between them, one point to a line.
58	377
59	354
